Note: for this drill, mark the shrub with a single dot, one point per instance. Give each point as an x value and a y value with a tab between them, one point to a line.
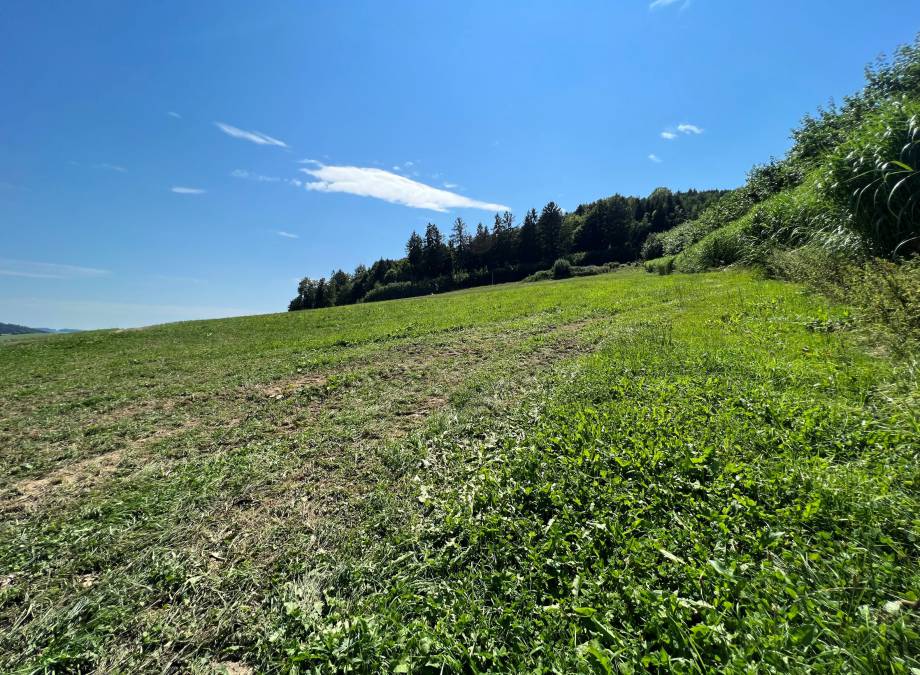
542	275
652	247
888	295
400	289
574	271
562	269
723	247
766	180
663	265
591	270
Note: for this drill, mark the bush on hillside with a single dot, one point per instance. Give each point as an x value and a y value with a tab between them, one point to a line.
542	275
399	289
573	271
653	247
591	270
562	269
663	265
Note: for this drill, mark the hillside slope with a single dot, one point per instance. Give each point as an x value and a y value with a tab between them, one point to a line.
623	471
16	329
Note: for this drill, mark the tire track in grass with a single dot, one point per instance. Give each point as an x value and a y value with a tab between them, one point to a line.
172	508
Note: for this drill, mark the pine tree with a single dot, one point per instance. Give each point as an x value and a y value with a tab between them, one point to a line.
415	253
436	258
481	245
321	297
528	242
549	232
460	246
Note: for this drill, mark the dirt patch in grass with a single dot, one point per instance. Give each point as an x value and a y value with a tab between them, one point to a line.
28	494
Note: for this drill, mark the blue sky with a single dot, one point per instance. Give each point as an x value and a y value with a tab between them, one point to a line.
174	160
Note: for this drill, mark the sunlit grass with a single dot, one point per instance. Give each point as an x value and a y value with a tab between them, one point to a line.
622	472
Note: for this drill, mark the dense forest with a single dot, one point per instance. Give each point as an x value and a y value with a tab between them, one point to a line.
609	230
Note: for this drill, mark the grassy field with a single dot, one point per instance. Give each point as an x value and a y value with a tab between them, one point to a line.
619	473
18	337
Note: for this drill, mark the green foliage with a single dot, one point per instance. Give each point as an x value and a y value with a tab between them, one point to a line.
572	271
562	269
652	247
722	247
796	217
769	179
399	289
663	265
875	174
791	218
730	207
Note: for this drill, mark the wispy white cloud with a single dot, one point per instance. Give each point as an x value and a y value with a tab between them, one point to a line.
655	158
174	114
110	167
179	190
307	160
658	4
450	186
242	173
689	129
668	135
252	136
287	235
101	165
390	187
43	270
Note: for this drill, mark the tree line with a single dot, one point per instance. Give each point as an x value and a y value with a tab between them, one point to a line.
608	230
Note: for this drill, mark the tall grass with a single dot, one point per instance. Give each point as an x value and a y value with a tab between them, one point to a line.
875	174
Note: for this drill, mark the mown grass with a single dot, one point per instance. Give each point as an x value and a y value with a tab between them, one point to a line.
618	473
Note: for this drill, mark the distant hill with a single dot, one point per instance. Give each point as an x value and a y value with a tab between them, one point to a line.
16	329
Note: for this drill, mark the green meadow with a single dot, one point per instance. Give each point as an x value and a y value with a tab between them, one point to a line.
619	473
